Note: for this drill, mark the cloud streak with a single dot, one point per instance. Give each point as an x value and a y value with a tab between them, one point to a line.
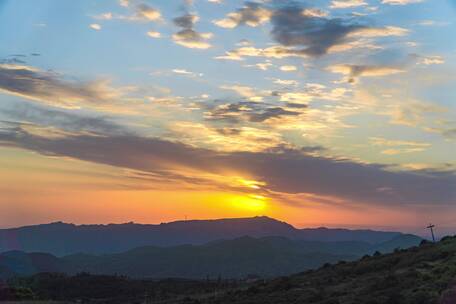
283	171
49	88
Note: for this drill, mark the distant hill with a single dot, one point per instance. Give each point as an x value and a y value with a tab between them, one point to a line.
63	239
265	257
13	263
237	258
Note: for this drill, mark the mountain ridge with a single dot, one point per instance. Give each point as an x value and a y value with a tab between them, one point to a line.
234	259
62	239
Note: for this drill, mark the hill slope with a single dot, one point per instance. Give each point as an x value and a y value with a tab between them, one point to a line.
63	239
419	275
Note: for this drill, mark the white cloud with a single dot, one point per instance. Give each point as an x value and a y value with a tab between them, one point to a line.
430	60
400	2
288	68
153	34
340	4
95	26
186	72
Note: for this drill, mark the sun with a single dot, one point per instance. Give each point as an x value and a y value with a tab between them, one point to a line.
250	202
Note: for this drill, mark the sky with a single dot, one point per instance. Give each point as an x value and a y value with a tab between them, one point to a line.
320	113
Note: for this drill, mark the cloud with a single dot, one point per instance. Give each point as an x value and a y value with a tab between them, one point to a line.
340	4
227	138
249	111
22	114
400	2
245	91
288	68
354	72
50	88
141	12
124	3
153	34
305	32
314	12
288	171
252	14
369	32
188	37
264	66
146	12
104	16
315	35
186	73
430	60
95	26
398	146
287	82
277	52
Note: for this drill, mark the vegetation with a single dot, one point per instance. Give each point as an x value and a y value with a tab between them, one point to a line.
423	274
87	288
419	275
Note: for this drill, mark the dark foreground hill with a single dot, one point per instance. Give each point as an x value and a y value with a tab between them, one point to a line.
63	239
264	257
420	275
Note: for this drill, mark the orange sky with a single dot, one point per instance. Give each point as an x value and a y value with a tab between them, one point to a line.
46	189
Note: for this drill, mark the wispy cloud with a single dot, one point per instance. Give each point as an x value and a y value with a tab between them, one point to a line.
50	88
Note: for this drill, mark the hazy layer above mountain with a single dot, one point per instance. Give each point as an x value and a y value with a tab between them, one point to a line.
63	239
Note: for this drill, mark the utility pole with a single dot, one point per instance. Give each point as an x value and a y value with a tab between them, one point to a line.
431	227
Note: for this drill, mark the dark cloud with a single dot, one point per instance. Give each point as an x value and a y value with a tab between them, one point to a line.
228	131
295	105
66	120
252	14
48	87
250	111
315	34
188	36
273	112
451	133
12	60
286	171
185	21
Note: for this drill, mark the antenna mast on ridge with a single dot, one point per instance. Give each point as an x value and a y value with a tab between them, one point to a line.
431	227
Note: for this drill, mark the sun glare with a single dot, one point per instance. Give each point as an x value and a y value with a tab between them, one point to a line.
253	184
250	202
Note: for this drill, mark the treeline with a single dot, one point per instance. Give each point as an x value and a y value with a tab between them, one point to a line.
87	288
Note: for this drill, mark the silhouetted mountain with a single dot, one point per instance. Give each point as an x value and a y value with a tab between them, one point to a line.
237	258
63	239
